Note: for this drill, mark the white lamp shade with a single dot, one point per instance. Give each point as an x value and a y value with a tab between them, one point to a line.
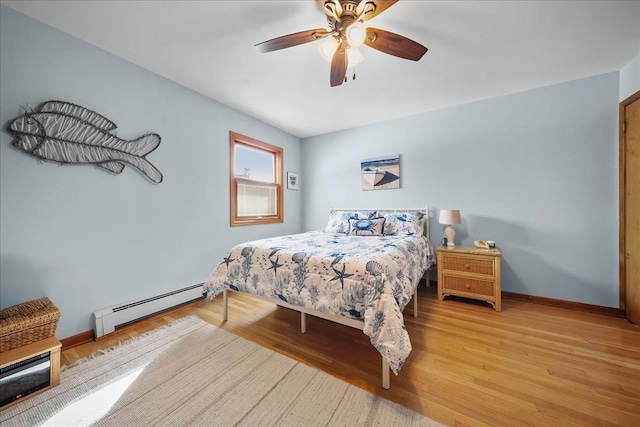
449	216
356	34
354	57
327	48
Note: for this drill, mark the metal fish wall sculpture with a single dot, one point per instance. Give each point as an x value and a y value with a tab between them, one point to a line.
70	134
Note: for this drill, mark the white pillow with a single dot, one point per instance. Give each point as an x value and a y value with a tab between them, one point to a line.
409	223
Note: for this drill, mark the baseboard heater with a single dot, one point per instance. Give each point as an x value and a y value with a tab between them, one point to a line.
108	320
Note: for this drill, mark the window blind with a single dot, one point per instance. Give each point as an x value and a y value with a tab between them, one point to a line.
257	200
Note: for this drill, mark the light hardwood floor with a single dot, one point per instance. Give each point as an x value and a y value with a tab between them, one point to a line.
530	364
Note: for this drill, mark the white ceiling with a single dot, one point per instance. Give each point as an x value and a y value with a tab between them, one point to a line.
477	50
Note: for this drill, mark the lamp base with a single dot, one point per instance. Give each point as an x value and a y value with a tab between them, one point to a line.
450	233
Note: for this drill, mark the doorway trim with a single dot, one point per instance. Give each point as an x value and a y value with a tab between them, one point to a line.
622	191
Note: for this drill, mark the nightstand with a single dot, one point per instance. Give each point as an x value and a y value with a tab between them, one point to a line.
469	272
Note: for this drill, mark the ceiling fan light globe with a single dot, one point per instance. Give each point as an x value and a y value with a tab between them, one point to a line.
327	48
356	34
354	56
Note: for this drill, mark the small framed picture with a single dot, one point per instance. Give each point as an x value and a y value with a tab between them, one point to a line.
292	181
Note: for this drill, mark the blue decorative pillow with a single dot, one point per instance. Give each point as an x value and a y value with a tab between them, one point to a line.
409	223
339	220
366	227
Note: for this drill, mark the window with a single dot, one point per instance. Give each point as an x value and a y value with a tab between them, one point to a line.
256	181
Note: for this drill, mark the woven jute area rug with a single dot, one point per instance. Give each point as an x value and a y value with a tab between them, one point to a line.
193	373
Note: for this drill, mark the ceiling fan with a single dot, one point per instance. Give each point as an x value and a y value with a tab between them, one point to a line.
347	33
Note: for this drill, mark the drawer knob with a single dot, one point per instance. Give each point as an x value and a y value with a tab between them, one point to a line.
467	266
468	286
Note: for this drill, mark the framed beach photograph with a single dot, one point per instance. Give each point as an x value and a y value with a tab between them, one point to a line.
292	181
381	173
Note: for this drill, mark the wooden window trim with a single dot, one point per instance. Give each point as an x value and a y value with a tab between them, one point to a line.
236	138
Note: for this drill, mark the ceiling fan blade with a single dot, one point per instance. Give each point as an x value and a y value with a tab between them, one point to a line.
394	44
339	65
292	40
368	9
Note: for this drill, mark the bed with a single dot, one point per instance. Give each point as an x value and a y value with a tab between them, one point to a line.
361	271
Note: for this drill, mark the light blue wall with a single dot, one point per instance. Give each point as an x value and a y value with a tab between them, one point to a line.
88	239
630	78
536	171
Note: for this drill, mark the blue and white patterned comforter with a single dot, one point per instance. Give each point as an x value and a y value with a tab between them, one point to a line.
368	278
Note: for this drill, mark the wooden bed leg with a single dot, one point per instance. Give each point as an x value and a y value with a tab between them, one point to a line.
415	303
385	375
225	306
303	322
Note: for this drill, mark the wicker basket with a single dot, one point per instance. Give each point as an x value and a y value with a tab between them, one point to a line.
27	323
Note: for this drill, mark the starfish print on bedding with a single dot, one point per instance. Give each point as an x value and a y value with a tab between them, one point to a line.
341	275
228	260
275	265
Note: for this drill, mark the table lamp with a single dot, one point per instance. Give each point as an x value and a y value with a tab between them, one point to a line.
450	216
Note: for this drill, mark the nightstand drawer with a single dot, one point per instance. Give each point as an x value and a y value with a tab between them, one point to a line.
468	264
464	284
